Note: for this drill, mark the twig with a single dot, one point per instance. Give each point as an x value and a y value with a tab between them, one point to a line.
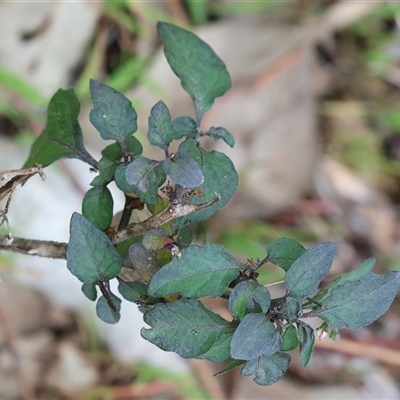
36	169
18	177
169	213
41	248
50	249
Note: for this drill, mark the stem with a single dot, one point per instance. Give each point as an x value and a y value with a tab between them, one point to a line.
169	213
310	314
80	155
106	295
41	248
50	249
178	195
126	214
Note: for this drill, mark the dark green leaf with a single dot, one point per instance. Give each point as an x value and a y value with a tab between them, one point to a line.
62	137
256	335
144	261
200	271
289	339
268	369
131	291
133	146
203	75
161	132
144	173
232	365
113	151
305	274
284	252
107	167
112	114
307	342
105	313
164	256
184	126
220	350
91	256
293	309
149	197
97	207
185	327
183	169
248	297
185	237
219	177
363	269
359	302
221	133
89	290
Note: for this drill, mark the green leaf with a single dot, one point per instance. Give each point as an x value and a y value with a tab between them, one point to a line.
268	369
185	327
256	335
183	169
112	151
144	261
220	350
220	178
248	297
221	133
62	136
131	291
133	146
200	271
203	75
97	207
155	239
144	173
292	310
359	302
307	342
289	339
232	365
112	114
363	269
151	195
305	274
185	237
105	313
161	132
89	290
162	202
184	126
284	252
91	256
107	167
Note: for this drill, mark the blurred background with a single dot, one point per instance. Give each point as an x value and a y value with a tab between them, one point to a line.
315	111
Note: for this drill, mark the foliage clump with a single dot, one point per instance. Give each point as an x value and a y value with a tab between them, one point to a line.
183	188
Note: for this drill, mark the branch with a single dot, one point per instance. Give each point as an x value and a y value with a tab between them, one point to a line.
49	249
41	248
169	213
